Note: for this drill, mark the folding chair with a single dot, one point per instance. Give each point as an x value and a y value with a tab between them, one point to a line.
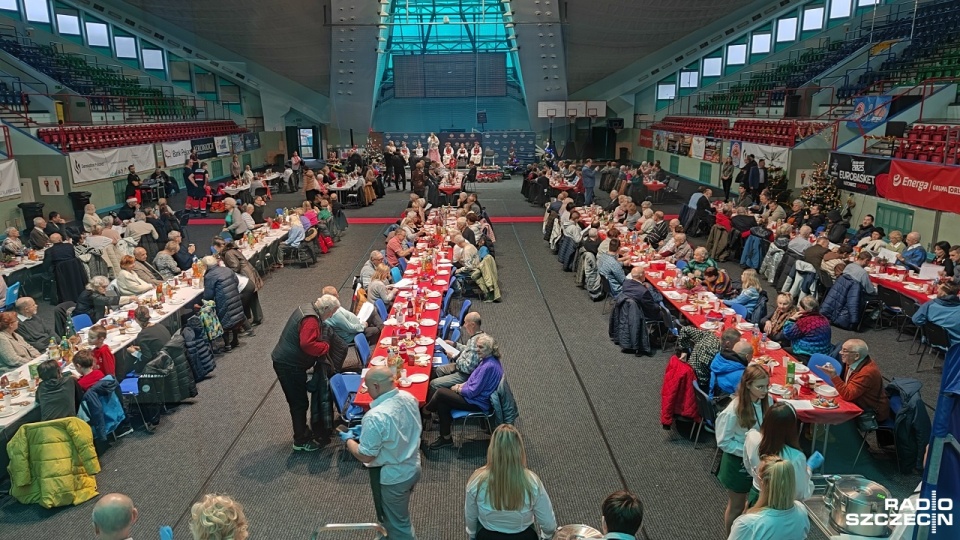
483	419
381	309
739	308
81	322
344	387
464	309
934	337
707	407
13	293
396	274
363	348
818	360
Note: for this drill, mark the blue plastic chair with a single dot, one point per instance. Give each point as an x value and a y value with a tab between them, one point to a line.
739	308
464	309
81	322
226	236
363	348
681	264
455	335
402	263
13	293
466	416
818	360
446	300
344	387
381	309
130	387
396	274
442	329
483	252
280	211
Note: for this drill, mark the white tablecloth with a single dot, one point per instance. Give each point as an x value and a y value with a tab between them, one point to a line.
273	236
24	264
347	186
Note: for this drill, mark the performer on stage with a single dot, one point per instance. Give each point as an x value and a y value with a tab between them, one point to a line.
418	151
448	154
476	154
462	156
434	144
405	152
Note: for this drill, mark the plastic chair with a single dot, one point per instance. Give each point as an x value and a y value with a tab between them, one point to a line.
402	263
363	348
935	338
130	387
344	387
466	416
81	322
381	309
446	300
13	293
455	335
739	308
396	274
818	360
444	326
707	407
464	309
887	425
681	264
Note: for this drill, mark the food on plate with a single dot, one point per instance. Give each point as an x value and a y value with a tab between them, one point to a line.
22	383
824	403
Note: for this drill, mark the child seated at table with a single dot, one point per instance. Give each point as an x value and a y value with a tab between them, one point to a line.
102	355
89	374
58	396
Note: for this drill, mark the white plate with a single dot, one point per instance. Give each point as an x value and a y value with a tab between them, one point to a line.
445	261
7	411
378	361
434	294
176	301
390	322
773	346
386	341
662	284
428	322
800	368
728	311
420	350
439	282
418	378
405	294
443	272
745	327
688	308
710	325
409	273
431	306
425	341
777	390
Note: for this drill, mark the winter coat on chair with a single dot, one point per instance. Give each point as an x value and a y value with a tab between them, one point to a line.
566	252
587	275
754	250
768	268
52	463
504	405
102	408
677	397
911	424
627	327
221	285
199	352
718	242
844	303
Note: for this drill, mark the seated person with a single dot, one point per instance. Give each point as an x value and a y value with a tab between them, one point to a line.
700	262
645	296
610	267
591	241
728	364
473	395
12	245
296	233
380	287
395	248
103	357
14	350
749	295
861	381
128	282
32	328
96	300
773	324
717	281
807	330
58	396
913	255
703	346
682	250
943	311
165	263
151	339
873	243
86	365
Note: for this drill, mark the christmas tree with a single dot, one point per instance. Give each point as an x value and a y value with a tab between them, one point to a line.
822	189
373	149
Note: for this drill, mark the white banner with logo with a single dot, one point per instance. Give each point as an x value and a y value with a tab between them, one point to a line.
175	154
100	164
9	178
777	156
697	147
222	144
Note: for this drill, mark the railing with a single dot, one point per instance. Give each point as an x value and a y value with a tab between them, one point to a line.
756	98
8	144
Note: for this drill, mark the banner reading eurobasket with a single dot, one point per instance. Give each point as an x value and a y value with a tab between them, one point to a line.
857	173
96	165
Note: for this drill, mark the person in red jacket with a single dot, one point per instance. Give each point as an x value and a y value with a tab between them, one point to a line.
89	375
861	382
102	355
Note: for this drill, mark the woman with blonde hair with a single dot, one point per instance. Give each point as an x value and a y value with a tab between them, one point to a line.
379	287
505	500
749	291
745	412
218	517
777	515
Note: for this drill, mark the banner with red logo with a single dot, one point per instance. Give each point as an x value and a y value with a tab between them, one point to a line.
646	138
921	184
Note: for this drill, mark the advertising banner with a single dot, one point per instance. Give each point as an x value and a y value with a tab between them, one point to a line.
697	147
660	140
775	156
857	173
870	110
736	153
222	145
646	138
921	184
206	148
175	154
96	165
237	141
711	151
251	141
9	178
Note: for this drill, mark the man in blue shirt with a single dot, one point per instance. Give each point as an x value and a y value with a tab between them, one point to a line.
610	267
589	177
913	255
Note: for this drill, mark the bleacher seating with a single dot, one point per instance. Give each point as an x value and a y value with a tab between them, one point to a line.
774	132
936	143
108	89
77	138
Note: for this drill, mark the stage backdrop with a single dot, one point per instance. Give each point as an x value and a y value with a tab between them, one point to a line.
523	142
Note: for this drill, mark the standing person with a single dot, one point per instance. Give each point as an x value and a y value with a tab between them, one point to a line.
745	412
311	186
779	436
777	515
221	285
113	517
726	177
506	500
399	171
299	349
296	164
389	446
758	178
588	176
235	168
433	145
133	185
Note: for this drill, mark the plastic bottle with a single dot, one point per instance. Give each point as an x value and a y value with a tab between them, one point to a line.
791	372
65	349
53	350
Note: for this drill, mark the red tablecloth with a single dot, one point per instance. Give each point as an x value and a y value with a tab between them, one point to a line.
845	411
654	186
450	189
418	390
901	287
562	187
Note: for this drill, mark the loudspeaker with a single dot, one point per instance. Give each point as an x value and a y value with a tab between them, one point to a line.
615	123
896	129
482	117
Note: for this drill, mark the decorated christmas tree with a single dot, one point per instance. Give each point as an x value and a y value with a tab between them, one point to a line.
822	189
373	149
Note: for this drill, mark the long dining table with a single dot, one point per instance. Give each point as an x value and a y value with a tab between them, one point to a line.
775	357
434	287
